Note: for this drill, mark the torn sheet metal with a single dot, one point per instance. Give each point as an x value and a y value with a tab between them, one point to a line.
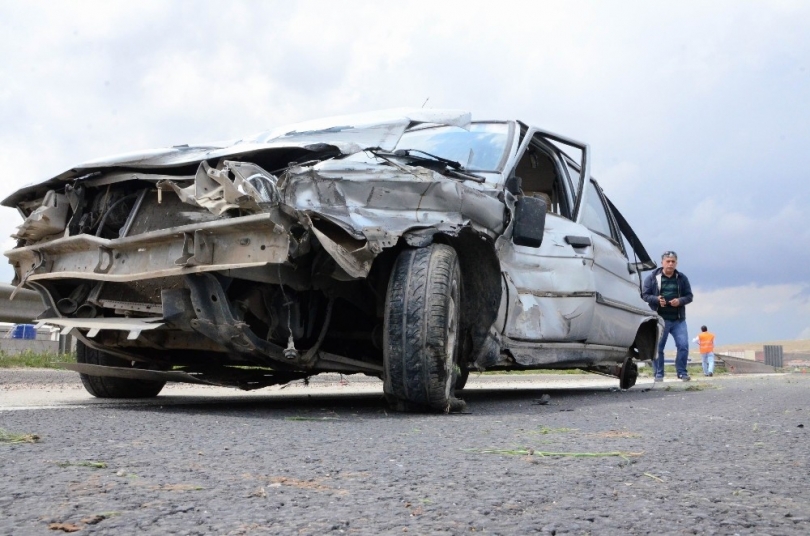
394	201
250	189
355	262
133	325
48	219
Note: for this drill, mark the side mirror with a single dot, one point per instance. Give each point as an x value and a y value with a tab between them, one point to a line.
638	267
530	221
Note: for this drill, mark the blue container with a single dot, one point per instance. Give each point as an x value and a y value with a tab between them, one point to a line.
24	331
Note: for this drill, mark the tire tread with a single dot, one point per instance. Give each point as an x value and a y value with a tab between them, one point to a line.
415	326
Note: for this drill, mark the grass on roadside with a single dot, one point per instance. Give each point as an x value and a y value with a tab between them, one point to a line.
11	437
695	370
29	359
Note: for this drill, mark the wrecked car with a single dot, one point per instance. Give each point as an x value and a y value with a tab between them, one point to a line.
411	245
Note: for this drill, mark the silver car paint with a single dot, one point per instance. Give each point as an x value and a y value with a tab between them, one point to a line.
559	304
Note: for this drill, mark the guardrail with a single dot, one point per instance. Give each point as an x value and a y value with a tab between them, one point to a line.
24	308
735	365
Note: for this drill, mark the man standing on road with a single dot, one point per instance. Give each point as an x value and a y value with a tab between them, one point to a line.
667	291
706	342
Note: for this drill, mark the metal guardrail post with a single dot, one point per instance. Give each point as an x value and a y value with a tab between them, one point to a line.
65	344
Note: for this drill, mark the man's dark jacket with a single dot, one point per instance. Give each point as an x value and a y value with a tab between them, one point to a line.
652	289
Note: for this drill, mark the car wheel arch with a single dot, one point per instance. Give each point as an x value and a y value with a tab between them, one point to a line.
645	344
481	285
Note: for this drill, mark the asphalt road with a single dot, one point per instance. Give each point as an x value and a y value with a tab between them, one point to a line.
726	455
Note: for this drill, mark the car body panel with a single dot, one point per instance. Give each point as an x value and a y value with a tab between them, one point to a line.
248	251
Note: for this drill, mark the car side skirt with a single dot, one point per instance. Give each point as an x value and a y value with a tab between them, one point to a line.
559	355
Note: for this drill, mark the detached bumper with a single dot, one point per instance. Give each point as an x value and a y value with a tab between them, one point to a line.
227	244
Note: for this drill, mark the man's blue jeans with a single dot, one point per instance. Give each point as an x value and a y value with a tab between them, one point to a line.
678	330
708	362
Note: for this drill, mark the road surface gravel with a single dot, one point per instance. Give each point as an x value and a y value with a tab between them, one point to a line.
722	455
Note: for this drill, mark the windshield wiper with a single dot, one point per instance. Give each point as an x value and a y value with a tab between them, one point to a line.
456	168
409	153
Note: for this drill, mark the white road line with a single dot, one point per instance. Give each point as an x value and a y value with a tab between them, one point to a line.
23	408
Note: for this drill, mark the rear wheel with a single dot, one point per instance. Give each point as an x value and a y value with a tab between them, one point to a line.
109	387
421	338
628	374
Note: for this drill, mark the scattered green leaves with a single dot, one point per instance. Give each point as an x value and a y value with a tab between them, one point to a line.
617	434
546	430
180	487
10	437
533	452
697	386
91	464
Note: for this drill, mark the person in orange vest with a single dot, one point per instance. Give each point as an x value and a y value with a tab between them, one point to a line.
706	342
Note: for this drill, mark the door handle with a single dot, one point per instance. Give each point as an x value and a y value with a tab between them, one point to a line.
578	241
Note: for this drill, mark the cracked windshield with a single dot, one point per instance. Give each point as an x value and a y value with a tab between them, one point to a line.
481	148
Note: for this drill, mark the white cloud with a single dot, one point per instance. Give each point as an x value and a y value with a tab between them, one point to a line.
696	112
752	312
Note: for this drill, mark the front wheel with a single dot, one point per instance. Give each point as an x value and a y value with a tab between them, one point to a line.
109	387
421	337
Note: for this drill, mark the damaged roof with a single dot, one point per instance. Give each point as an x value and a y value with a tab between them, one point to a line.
347	134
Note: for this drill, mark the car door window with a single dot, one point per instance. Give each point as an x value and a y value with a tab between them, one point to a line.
594	216
573	175
542	175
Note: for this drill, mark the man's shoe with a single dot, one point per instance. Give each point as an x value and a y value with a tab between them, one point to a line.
685	378
658	379
710	374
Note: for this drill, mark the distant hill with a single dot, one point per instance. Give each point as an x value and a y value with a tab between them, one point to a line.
801	346
792	346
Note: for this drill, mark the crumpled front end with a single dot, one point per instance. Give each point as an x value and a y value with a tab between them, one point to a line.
231	263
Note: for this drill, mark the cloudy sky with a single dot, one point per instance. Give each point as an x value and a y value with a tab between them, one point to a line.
697	112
